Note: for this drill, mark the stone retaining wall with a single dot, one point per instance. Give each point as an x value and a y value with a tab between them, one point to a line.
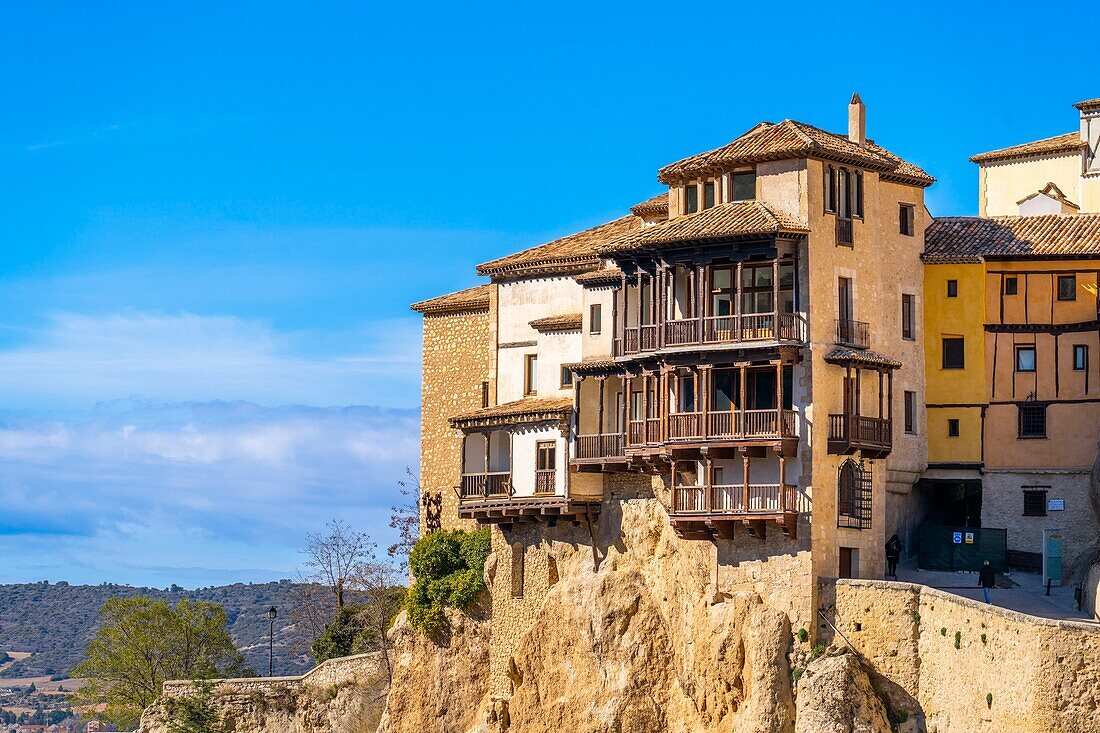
328	673
966	665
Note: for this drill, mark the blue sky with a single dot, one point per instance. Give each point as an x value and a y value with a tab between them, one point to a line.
215	215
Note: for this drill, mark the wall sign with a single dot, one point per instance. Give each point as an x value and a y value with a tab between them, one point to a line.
969	538
957	537
1056	505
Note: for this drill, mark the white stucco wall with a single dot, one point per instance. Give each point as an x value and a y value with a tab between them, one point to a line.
524	442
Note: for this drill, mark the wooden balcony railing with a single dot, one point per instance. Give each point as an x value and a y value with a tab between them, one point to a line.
648	338
679	333
685	425
635	432
843	231
744	328
848	433
604	445
852	333
492	485
653	430
545	481
735	499
725	424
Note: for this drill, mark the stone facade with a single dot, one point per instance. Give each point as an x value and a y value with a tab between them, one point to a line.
458	360
960	665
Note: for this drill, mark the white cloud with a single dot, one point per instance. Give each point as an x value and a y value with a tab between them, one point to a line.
191	357
219	490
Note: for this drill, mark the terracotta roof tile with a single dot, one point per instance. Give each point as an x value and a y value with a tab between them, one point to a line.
735	219
566	322
591	365
576	252
656	205
607	276
1068	143
860	357
790	139
970	239
475	298
1088	104
530	409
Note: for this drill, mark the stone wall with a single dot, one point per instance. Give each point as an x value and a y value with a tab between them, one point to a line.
457	360
343	695
959	664
1091	602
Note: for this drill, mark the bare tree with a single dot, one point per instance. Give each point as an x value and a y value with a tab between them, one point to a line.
313	608
337	554
376	584
405	518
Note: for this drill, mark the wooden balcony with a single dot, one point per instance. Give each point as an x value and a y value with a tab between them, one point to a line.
853	334
726	425
849	433
488	498
600	447
701	512
746	328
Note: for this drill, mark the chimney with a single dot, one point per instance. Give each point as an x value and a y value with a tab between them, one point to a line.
857	121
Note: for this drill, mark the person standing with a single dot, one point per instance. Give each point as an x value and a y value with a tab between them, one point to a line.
893	555
985	579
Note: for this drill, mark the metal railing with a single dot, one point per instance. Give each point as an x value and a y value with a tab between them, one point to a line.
852	333
492	485
603	445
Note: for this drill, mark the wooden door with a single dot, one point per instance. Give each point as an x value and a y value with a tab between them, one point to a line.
846	562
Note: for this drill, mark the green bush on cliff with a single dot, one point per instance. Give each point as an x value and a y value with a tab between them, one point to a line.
447	570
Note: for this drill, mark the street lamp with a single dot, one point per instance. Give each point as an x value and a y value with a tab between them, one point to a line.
271	614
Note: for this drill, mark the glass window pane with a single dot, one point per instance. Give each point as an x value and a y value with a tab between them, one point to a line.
744	186
708	195
1025	360
720	279
786	276
691	198
763	277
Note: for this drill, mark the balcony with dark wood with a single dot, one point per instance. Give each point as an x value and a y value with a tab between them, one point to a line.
600	438
703	509
851	430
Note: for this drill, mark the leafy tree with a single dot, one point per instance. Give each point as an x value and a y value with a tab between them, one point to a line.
143	642
342	636
447	569
195	713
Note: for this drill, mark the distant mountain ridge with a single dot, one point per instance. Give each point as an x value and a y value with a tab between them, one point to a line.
55	622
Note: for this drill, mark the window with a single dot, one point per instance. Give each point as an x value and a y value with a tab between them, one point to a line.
566	378
1025	358
545	450
908	327
1080	357
595	318
687	393
911	412
952	288
756	289
857	194
1032	420
743	186
844	189
906	224
691	199
530	374
1067	287
1035	501
853	495
953	353
830	189
952	427
1012	285
708	195
484	394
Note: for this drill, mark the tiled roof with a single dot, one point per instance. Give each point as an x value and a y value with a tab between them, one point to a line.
860	357
475	298
591	365
1088	104
567	322
790	139
656	205
576	252
607	276
531	409
969	239
1068	143
735	219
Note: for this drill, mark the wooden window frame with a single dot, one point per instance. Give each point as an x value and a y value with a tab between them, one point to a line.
943	349
1035	501
1034	359
733	185
952	288
688	208
952	427
857	194
484	394
546	447
830	179
710	191
1083	350
909	410
566	377
530	370
909	317
595	319
1073	291
907	220
1015	282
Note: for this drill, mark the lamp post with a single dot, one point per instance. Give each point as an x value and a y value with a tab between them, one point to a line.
271	614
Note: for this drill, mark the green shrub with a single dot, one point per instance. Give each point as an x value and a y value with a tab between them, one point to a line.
989	700
983	638
803	635
943	631
447	569
958	639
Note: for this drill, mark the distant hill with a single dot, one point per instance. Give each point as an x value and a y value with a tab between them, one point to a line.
55	621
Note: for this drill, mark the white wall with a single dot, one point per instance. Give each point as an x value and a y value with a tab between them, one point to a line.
524	440
598	345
